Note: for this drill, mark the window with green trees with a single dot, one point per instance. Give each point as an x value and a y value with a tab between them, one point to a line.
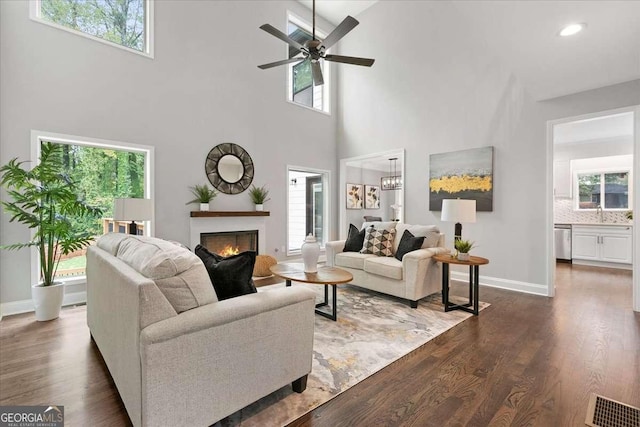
123	22
100	175
605	190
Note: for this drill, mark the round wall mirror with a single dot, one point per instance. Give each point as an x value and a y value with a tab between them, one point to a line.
229	168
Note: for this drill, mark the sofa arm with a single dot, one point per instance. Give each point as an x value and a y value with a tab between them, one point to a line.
421	272
332	249
209	362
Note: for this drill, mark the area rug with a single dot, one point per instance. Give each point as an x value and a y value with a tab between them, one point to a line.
372	331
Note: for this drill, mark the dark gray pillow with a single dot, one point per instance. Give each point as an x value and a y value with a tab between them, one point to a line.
408	243
230	276
355	239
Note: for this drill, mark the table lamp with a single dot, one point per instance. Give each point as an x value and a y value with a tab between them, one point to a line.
132	210
458	211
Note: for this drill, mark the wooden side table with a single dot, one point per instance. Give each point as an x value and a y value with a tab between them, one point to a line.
474	264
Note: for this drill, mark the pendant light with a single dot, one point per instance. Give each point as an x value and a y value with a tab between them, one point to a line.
393	181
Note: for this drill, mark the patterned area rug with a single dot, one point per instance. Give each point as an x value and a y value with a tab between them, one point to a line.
372	331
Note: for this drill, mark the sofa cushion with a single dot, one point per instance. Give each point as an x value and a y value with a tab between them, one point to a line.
431	234
231	276
355	239
378	242
110	242
380	225
408	243
179	274
352	259
384	266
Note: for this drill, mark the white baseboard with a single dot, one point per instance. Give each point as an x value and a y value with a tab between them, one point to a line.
603	264
26	306
496	282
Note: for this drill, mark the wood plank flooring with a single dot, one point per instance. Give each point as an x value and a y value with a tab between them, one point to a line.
526	360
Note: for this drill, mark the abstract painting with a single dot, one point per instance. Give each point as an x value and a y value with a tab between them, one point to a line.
354	196
466	174
372	197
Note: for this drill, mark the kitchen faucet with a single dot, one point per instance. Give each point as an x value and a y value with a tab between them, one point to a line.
600	213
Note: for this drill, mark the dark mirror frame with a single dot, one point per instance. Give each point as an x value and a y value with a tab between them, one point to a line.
211	168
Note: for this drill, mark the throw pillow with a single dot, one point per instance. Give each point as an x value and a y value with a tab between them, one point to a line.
408	243
355	239
378	242
231	276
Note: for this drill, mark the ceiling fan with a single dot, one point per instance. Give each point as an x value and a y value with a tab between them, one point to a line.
313	50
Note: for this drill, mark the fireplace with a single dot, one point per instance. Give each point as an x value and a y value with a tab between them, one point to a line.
227	243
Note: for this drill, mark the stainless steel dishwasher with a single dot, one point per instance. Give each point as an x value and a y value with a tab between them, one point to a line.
562	234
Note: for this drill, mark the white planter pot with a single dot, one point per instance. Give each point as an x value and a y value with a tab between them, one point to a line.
204	207
463	256
310	253
259	207
47	300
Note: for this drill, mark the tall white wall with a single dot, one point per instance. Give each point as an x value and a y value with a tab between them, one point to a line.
202	88
436	87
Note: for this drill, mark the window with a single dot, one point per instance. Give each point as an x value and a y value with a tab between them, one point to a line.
308	209
300	81
123	23
606	190
102	171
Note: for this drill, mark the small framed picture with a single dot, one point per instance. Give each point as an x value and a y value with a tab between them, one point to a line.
354	196
371	197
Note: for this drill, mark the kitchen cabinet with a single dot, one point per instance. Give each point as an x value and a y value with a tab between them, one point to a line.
562	178
602	243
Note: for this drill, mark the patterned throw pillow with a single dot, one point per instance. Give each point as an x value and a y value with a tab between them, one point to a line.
378	242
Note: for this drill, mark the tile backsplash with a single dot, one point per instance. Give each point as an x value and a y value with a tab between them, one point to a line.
563	213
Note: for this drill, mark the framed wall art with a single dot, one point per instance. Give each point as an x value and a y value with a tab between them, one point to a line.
371	197
354	196
466	174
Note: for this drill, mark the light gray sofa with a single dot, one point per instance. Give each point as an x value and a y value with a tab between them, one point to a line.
176	354
413	278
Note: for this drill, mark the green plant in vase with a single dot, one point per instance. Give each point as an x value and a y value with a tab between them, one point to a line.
259	196
203	195
463	247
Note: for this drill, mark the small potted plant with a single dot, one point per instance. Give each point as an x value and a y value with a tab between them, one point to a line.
463	247
203	195
46	200
259	196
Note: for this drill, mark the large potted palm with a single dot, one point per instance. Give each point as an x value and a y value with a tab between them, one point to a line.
44	199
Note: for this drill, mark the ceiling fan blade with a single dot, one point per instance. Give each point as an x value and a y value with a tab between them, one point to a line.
366	62
317	73
284	61
348	24
282	36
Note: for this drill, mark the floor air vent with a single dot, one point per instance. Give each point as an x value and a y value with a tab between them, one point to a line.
603	412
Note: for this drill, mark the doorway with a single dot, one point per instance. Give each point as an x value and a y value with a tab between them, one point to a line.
593	190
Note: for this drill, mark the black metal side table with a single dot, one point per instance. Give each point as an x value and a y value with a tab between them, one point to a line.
474	264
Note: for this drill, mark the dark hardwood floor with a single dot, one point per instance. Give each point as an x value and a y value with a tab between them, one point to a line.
526	360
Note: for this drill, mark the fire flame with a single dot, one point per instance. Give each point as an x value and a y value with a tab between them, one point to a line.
229	250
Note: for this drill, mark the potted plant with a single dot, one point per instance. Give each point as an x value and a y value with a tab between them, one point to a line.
203	195
259	196
463	247
45	200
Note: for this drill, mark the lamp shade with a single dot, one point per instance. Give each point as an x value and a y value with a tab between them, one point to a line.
458	210
132	209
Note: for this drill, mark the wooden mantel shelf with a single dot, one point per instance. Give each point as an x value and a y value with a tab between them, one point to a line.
214	214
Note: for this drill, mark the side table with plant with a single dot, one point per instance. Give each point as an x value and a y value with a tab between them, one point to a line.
46	201
203	195
259	196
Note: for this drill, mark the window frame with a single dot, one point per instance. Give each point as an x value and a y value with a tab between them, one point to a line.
37	137
602	172
326	68
326	212
35	13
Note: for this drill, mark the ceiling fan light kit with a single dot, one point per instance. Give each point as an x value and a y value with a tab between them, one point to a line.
314	50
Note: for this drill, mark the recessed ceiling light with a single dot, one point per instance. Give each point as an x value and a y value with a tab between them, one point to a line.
572	29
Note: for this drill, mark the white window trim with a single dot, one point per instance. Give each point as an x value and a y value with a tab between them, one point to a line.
326	182
326	69
602	171
36	139
36	15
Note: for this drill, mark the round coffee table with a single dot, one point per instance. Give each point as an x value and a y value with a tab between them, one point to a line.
327	276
